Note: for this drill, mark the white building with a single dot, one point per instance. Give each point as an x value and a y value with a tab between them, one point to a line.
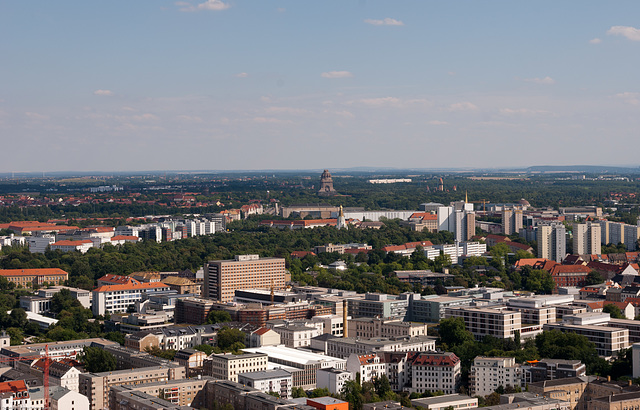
332	379
62	374
277	381
69	246
228	366
118	298
489	373
434	372
39	244
369	366
14	395
296	336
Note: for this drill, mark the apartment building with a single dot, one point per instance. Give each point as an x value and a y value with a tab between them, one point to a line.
181	392
296	335
223	277
608	340
552	242
95	386
489	373
434	372
376	327
369	366
14	395
587	238
270	381
511	221
332	379
34	277
227	366
499	322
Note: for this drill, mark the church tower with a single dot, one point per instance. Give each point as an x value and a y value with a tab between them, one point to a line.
342	222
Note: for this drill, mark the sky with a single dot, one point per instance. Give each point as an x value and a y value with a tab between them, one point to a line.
133	85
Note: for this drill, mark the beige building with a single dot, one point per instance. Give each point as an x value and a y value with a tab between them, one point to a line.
586	239
227	366
182	285
223	277
369	327
183	392
573	390
498	322
608	340
489	373
511	221
95	386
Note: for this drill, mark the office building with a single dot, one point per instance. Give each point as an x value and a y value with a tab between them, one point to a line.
269	381
498	322
223	277
34	277
227	366
120	298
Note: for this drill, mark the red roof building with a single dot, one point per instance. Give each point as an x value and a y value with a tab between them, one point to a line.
570	275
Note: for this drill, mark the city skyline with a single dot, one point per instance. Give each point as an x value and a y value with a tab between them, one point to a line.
233	85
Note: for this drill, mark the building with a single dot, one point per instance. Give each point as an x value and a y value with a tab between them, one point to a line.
296	335
332	379
448	401
192	360
328	403
228	366
432	308
343	347
552	242
34	277
14	395
264	337
378	305
489	373
65	349
269	381
176	394
182	285
480	321
571	390
511	221
82	245
434	372
608	340
570	275
326	184
369	366
96	386
375	327
587	238
223	277
120	298
551	369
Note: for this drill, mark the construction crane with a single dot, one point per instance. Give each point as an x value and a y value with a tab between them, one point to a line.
484	203
45	371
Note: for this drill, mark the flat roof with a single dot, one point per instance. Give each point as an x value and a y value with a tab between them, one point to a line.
265	375
442	399
292	355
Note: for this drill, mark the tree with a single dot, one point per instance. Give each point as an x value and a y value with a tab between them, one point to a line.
297	392
352	392
218	316
453	332
383	387
16	336
19	318
227	337
594	278
208	349
63	300
613	311
97	360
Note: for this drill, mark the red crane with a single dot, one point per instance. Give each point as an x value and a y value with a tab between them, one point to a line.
45	373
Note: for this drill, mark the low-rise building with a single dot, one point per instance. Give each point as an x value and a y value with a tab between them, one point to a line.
332	379
489	373
227	366
366	327
434	372
34	277
269	381
448	401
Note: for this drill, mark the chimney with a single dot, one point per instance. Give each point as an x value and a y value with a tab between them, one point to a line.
630	382
345	332
608	378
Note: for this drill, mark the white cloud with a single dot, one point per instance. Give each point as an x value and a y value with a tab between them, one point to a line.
35	116
521	111
189	118
214	5
242	75
107	93
436	122
595	41
631	33
546	80
270	120
629	98
336	74
144	117
286	110
379	101
463	106
384	22
345	114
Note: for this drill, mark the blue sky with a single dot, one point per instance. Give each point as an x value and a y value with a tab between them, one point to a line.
155	84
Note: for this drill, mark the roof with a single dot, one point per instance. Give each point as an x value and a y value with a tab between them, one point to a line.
124	238
564	269
130	286
172	280
367	358
529	261
265	375
14	386
31	272
117	279
261	331
72	243
326	401
433	359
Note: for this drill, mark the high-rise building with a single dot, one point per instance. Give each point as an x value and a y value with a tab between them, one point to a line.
511	221
552	242
631	236
222	278
465	225
586	239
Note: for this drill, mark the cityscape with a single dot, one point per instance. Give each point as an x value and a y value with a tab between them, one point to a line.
287	205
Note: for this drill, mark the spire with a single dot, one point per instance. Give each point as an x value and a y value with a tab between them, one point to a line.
341	214
466	197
